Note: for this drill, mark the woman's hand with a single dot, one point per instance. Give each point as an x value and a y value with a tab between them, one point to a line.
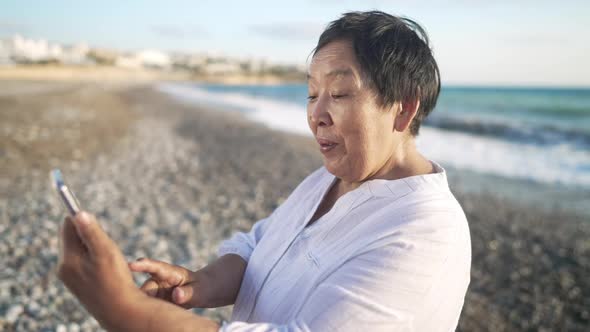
93	268
171	283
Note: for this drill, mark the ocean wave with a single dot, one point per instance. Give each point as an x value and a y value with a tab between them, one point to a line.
276	114
538	134
562	164
544	155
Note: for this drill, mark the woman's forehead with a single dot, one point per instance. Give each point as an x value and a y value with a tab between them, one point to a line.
334	53
335	60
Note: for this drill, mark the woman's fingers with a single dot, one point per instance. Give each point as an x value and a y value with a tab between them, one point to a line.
179	295
160	270
147	265
186	295
150	287
91	234
169	282
71	244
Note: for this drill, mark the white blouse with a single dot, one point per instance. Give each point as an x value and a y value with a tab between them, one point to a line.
391	255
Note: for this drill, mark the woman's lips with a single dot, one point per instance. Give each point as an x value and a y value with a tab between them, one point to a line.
326	145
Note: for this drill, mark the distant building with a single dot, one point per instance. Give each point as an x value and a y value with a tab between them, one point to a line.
102	56
222	68
5	54
30	50
129	61
75	55
257	66
154	59
197	60
20	50
144	59
188	61
24	50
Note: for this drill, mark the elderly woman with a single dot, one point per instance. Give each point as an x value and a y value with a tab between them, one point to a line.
373	240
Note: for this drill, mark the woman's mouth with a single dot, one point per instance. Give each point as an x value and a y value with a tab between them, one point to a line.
326	145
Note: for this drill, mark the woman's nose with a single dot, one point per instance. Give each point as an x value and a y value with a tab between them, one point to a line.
319	113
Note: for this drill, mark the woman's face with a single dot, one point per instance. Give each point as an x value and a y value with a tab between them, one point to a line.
354	133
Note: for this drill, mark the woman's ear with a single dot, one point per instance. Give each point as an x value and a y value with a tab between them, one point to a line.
404	114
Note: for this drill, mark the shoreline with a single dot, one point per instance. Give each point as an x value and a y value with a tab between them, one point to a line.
530	193
180	178
52	73
526	194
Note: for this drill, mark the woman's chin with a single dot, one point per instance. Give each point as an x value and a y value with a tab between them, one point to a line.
334	168
346	174
330	167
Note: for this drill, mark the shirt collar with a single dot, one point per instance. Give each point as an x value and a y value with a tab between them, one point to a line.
401	187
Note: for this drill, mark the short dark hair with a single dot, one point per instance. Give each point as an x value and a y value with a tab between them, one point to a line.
394	54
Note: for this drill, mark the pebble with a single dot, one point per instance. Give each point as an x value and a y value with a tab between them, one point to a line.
13	313
33	308
73	327
184	180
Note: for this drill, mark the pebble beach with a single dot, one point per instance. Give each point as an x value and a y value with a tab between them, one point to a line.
170	180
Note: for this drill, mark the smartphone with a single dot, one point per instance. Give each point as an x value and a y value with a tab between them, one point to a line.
65	194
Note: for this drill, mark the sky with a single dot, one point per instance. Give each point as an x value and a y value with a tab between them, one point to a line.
526	42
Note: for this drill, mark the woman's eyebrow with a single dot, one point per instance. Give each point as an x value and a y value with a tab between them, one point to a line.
340	72
335	73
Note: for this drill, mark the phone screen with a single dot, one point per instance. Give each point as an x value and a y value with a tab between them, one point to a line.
65	194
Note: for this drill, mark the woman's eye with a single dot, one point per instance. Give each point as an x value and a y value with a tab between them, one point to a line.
311	98
339	96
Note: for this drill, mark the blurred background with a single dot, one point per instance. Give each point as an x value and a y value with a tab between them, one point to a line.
181	122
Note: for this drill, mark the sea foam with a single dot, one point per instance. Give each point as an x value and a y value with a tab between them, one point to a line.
563	164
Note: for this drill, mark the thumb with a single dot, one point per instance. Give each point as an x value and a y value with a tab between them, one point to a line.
186	295
70	243
92	235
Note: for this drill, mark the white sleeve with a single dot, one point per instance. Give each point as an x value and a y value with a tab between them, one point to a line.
351	299
243	244
416	282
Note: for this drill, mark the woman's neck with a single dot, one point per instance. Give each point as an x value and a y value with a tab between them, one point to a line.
406	162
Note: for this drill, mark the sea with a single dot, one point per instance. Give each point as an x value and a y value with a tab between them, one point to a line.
527	144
